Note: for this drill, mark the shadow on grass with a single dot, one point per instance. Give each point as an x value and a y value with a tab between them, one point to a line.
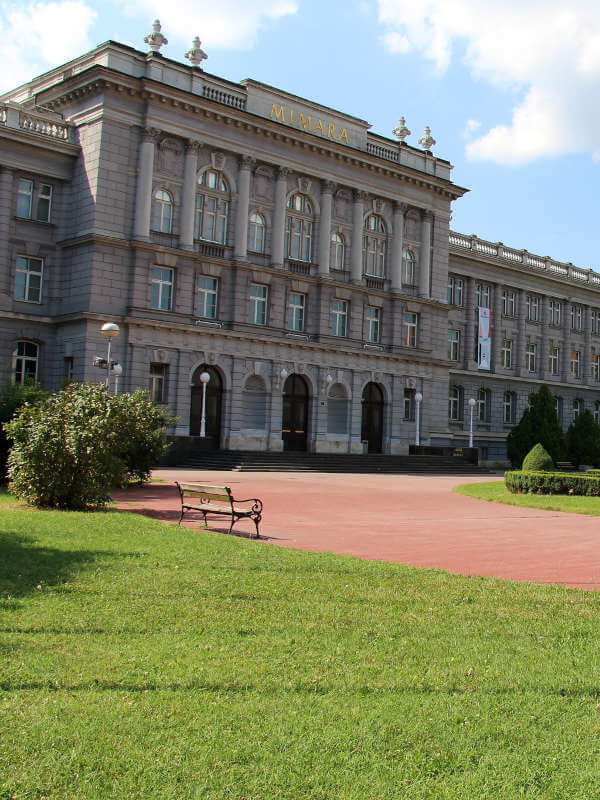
25	566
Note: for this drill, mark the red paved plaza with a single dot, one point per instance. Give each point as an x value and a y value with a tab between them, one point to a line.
416	520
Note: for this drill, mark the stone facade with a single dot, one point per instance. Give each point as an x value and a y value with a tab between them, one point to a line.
299	260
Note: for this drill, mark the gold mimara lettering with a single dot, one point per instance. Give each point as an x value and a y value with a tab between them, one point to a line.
304	121
330	130
343	137
319	128
275	114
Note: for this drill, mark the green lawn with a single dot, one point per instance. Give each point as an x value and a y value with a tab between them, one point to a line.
143	661
496	492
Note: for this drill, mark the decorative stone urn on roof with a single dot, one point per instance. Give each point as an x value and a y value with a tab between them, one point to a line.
401	131
427	141
195	54
155	39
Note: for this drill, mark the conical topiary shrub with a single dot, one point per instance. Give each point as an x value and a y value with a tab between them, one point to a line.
538	460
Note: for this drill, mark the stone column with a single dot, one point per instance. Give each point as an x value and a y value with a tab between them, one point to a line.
425	257
357	235
276	408
469	342
327	189
240	251
497	329
397	246
278	233
143	190
565	345
520	354
543	366
188	196
586	366
6	217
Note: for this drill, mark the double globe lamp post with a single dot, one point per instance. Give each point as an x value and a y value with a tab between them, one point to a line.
110	331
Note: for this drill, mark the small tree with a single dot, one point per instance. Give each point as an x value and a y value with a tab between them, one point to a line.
539	423
71	449
538	460
583	439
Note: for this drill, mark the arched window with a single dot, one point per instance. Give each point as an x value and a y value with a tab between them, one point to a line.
374	242
337	409
408	268
256	233
25	362
455	403
336	258
597	411
483	405
254	403
212	207
299	228
162	211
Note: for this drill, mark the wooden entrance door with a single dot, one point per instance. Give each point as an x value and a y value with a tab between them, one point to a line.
295	414
372	417
214	395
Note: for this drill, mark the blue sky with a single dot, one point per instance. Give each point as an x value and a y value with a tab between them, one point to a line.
510	89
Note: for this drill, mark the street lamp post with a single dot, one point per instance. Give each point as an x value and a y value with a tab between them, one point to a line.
418	400
472	404
117	371
204	379
109	330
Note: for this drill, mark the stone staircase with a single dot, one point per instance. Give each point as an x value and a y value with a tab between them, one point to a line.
250	461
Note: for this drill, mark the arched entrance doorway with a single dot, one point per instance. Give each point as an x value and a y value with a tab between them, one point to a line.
371	430
294	421
214	394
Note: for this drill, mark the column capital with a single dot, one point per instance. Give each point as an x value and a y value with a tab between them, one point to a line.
400	208
193	146
283	172
359	196
427	215
328	187
247	162
150	134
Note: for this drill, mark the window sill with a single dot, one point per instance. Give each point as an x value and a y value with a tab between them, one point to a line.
43	223
208	323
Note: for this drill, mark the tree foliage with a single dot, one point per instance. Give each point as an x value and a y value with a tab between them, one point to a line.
538	459
583	440
539	423
72	448
12	397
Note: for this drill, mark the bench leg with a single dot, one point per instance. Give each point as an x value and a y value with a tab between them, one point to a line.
256	521
231	526
180	516
204	515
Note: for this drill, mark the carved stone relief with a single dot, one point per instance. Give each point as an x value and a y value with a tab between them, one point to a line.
168	156
411	226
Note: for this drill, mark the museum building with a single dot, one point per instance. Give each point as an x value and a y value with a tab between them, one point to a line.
301	264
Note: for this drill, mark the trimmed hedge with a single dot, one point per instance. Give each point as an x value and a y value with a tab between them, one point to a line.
538	459
521	482
592	472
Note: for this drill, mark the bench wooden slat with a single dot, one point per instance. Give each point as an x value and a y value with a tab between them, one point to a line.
223	505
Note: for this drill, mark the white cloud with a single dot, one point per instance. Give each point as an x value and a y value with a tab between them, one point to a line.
471	126
227	23
40	35
549	52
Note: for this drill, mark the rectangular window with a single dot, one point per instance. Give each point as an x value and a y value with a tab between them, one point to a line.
455	398
211	219
506	353
508	303
595	321
257	312
595	367
339	318
576	317
530	353
68	367
372	324
28	279
409	404
453	345
482	295
554	312
409	329
553	356
32	203
509	408
207	297
296	311
158	382
574	363
577	408
532	308
455	290
162	288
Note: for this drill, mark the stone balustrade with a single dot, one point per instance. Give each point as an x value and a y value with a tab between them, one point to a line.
460	242
13	116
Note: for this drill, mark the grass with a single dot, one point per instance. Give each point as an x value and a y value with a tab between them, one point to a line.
143	661
496	492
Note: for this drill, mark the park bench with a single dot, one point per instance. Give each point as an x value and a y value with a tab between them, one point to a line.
218	500
565	466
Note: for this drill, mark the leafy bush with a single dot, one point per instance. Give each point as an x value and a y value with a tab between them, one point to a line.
539	423
538	460
71	449
522	482
583	439
12	397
